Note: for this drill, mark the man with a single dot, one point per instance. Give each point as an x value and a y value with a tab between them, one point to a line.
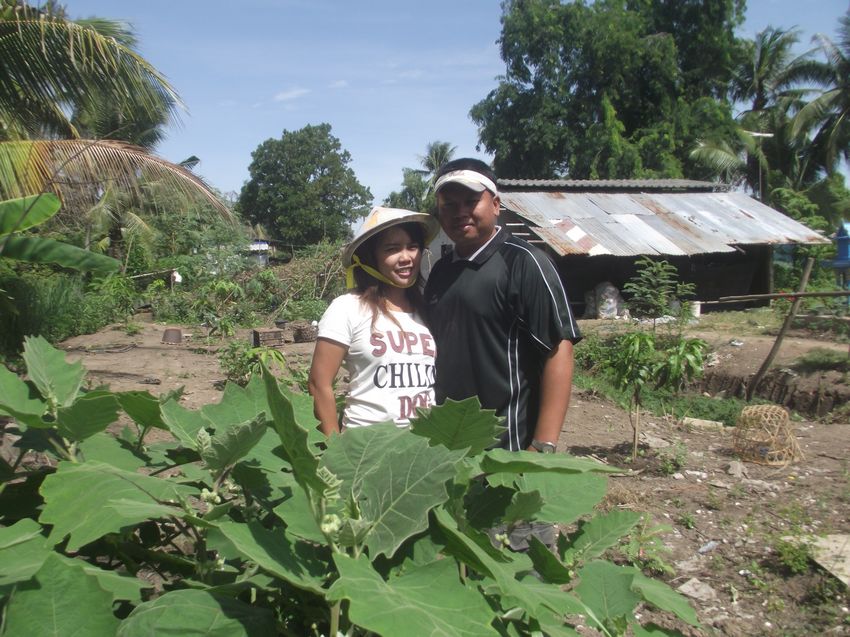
499	315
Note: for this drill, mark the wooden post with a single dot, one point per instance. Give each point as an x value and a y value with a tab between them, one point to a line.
804	281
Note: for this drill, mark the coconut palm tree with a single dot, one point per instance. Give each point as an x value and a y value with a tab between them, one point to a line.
827	117
437	154
769	82
60	77
769	70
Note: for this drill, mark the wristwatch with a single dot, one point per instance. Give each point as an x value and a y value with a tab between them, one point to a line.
542	446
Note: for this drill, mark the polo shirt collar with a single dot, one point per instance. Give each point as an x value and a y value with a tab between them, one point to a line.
486	251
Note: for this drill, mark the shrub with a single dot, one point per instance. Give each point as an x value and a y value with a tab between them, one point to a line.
655	289
58	305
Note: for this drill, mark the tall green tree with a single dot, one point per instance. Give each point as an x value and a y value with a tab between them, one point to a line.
413	193
302	188
612	89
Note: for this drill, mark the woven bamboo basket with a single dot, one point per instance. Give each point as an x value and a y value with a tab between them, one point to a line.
764	435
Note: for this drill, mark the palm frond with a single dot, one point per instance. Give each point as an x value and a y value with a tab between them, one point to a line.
52	60
812	114
720	157
134	224
74	165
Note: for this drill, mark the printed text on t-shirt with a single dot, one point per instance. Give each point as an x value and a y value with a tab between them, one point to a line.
398	341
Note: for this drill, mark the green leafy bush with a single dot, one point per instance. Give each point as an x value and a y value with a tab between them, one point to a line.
257	523
59	305
592	352
239	360
655	289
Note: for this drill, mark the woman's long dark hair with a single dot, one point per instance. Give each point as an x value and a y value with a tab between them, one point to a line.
371	291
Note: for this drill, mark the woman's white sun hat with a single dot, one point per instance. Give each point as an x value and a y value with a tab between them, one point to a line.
382	218
379	220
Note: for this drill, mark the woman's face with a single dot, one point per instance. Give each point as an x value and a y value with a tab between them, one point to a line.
398	255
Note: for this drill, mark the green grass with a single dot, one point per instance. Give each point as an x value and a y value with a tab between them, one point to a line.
762	320
661	403
822	359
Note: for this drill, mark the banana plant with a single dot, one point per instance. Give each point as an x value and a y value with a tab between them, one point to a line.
24	213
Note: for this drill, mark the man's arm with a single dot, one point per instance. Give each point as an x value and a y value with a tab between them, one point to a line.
555	385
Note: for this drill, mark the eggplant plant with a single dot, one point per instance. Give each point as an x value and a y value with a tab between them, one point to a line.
243	519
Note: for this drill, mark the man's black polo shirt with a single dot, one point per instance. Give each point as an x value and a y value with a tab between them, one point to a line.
495	320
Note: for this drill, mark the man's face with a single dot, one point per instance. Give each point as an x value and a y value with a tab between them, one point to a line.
468	217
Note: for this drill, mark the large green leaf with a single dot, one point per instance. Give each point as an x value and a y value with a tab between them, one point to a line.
663	597
191	612
467	550
143	407
459	425
601	533
296	514
553	626
40	250
104	447
546	563
395	477
58	381
502	460
62	600
227	447
302	407
237	405
86	416
486	505
566	496
23	550
91	499
27	212
20	400
523	506
295	447
184	424
278	555
553	597
607	589
428	600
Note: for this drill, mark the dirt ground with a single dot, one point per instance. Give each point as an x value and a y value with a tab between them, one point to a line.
720	522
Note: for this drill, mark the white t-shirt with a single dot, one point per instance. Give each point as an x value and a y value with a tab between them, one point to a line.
391	370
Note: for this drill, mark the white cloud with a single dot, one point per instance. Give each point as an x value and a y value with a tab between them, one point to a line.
291	94
339	84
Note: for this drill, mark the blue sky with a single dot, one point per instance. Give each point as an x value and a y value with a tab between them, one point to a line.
389	77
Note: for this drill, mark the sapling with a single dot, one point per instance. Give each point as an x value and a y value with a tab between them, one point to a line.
655	291
635	362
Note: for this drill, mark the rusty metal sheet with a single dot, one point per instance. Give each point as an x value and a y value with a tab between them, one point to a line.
686	237
673	223
558	241
618	204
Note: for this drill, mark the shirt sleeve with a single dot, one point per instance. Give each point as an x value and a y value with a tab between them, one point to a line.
337	321
541	301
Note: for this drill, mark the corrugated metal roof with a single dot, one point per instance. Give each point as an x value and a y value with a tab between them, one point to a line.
640	223
621	185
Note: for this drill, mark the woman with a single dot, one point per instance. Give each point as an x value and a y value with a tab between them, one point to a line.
376	331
